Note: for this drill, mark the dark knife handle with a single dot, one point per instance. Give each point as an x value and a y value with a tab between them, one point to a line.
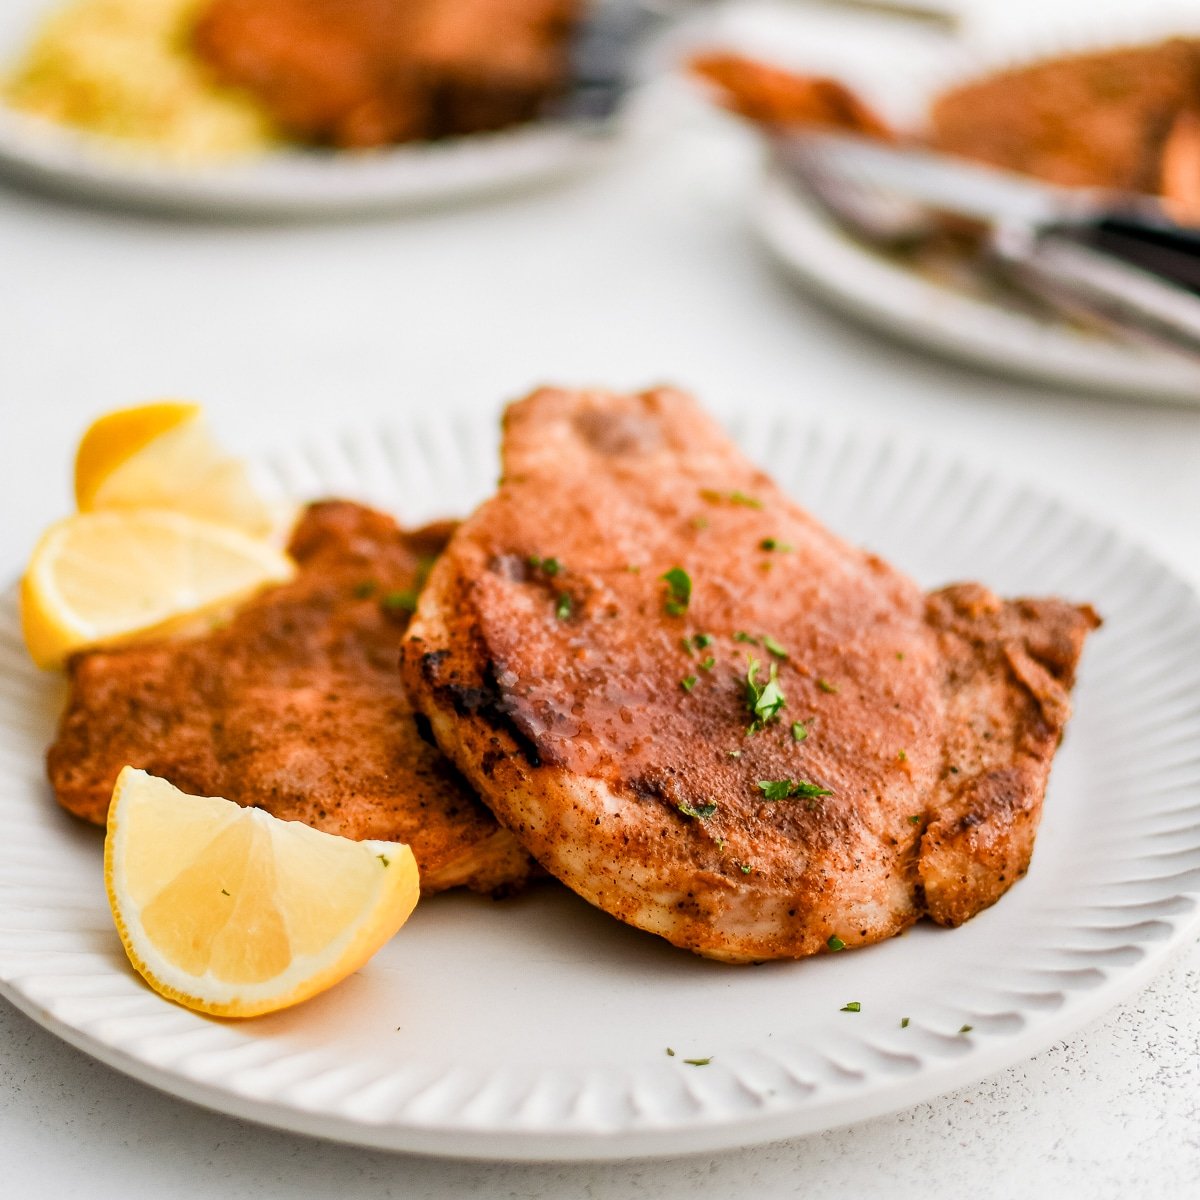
1171	252
1140	281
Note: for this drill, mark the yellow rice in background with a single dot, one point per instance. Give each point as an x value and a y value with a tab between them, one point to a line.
122	68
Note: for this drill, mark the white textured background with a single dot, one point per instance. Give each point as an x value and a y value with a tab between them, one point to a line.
643	275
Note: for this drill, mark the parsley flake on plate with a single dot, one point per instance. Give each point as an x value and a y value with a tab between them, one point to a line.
853	1006
698	1062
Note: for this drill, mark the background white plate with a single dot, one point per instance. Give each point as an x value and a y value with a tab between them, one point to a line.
285	182
898	69
537	1027
889	295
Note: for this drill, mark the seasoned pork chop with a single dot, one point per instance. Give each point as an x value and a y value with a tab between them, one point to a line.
295	707
710	716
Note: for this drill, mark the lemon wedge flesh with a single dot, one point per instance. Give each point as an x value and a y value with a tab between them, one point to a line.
229	911
102	577
162	455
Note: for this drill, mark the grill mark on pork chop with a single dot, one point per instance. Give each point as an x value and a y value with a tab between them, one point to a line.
296	707
631	767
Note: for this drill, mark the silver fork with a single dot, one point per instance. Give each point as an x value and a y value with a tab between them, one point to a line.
1115	259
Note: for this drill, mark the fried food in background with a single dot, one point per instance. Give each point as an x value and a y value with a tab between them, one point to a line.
122	69
295	707
372	72
774	97
1124	118
1089	120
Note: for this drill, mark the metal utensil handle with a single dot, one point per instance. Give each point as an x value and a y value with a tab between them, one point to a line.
1060	265
1164	249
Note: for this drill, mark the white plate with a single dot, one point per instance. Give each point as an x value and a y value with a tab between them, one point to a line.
898	70
286	182
537	1028
889	295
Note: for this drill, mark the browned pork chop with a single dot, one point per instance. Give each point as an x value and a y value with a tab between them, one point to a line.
628	729
295	707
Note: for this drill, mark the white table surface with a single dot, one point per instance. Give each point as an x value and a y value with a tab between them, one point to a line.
646	274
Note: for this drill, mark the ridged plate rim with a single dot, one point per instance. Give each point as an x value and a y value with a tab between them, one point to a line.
1133	891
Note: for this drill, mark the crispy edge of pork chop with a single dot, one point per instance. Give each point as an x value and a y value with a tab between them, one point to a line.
296	706
953	823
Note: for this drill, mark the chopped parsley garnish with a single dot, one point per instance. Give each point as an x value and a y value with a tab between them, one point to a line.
688	682
900	655
686	643
773	646
383	858
699	522
903	1022
799	731
835	943
853	1006
368	587
915	819
670	1052
405	601
734	497
633	568
785	789
743	636
679	591
734	753
966	1029
776	545
547	566
700	811
698	1062
743	499
902	755
708	663
764	700
563	609
826	686
745	868
701	640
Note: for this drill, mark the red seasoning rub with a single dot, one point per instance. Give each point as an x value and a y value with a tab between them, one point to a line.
359	73
713	718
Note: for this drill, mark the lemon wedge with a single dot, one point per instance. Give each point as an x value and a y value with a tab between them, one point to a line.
101	577
229	911
162	455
